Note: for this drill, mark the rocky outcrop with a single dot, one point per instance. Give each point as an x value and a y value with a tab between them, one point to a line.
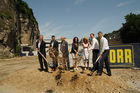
17	26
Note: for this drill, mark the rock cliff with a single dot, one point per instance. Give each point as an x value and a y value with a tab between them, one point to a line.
17	26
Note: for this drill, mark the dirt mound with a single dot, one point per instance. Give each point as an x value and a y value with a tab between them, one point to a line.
33	81
30	80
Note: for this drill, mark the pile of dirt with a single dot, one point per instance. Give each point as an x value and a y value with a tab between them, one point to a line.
31	80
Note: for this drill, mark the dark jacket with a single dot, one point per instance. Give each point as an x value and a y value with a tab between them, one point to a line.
55	45
74	48
64	48
42	47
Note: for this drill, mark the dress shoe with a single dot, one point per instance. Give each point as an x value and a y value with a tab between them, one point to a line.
109	74
98	74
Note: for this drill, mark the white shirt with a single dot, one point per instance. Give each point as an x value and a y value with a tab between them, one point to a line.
103	45
86	52
52	43
39	43
85	45
94	44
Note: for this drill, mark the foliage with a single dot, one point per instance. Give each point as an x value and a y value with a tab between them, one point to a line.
5	16
23	8
130	30
18	50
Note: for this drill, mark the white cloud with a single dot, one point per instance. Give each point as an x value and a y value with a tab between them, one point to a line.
77	2
101	25
137	11
98	27
50	29
121	4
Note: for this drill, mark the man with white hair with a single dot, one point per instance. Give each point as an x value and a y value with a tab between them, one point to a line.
40	46
65	53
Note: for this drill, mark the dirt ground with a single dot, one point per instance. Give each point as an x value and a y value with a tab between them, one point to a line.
21	75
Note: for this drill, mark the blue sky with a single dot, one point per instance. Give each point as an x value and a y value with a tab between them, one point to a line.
71	18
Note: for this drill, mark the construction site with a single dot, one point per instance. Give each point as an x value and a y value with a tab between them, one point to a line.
21	75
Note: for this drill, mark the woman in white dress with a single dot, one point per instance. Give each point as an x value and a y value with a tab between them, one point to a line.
86	52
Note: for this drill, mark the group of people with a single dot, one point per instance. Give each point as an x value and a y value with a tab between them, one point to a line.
99	48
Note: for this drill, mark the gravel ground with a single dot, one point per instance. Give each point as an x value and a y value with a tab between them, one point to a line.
21	75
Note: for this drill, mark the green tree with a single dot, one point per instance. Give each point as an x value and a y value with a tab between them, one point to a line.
23	8
130	30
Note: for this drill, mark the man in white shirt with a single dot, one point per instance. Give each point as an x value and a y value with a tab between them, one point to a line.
104	53
95	51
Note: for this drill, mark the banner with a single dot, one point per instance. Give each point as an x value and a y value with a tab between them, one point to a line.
121	55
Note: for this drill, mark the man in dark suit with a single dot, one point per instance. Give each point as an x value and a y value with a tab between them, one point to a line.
65	53
40	46
54	46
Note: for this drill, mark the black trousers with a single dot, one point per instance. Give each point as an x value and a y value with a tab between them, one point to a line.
42	62
95	54
105	59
